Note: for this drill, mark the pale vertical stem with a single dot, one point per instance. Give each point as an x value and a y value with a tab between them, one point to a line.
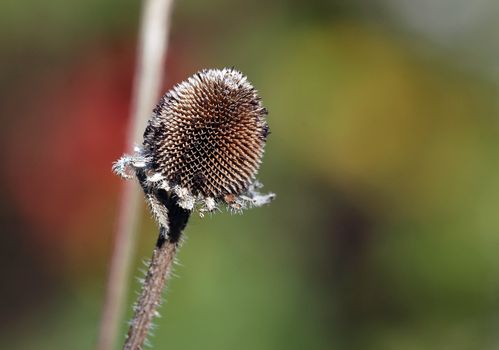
152	45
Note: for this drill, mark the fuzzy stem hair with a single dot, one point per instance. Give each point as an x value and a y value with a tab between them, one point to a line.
160	265
150	296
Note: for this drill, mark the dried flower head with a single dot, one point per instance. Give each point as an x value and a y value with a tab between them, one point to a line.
204	143
207	134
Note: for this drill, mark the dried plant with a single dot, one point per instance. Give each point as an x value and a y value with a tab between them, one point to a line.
202	149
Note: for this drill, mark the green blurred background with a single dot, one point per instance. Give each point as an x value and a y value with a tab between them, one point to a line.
383	153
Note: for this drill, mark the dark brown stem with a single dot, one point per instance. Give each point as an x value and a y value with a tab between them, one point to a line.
158	272
150	296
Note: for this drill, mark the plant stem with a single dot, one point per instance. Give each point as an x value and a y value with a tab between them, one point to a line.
157	275
150	296
152	46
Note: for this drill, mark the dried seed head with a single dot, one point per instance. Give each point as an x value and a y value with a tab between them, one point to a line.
207	134
203	145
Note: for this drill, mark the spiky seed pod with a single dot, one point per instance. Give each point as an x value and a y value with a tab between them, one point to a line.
203	146
208	133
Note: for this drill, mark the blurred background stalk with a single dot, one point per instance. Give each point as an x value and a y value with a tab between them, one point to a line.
152	46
